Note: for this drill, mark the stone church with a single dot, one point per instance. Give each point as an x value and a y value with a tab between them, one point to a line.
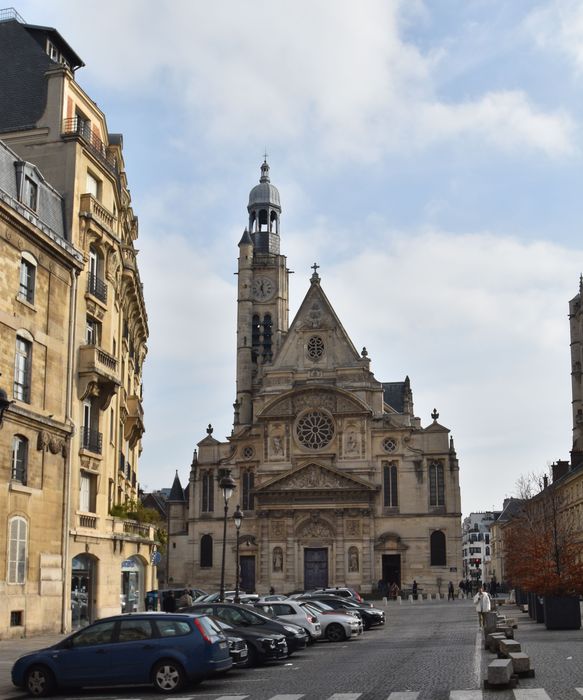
338	481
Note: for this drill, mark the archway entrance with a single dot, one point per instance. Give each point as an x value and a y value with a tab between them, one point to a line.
132	585
315	567
82	590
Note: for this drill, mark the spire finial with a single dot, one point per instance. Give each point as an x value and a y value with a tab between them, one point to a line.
209	430
264	169
315	277
581	285
435	414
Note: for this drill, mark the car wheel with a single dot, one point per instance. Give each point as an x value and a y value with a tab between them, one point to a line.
252	657
40	682
335	632
168	676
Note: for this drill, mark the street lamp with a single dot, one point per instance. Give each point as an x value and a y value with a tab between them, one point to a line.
238	518
227	485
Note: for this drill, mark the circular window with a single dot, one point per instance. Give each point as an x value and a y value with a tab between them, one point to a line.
389	445
314	430
248	452
315	347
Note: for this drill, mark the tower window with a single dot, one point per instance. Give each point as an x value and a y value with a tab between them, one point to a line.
207	493
436	484
248	484
267	336
206	551
390	496
255	336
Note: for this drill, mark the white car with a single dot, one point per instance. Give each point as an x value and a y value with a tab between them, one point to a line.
293	611
336	625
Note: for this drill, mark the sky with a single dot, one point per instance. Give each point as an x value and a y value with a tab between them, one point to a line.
428	157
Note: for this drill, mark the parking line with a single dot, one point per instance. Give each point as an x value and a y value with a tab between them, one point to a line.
579	690
287	697
232	697
405	695
533	694
345	696
466	695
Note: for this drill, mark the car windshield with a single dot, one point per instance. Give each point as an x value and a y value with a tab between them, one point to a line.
321	605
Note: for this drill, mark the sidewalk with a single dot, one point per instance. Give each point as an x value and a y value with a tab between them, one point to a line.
10	650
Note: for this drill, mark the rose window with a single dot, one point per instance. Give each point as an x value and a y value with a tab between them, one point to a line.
314	430
315	347
389	445
248	452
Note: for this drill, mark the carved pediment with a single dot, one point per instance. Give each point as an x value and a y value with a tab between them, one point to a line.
330	399
390	541
315	477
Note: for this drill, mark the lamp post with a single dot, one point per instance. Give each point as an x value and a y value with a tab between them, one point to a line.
227	485
238	518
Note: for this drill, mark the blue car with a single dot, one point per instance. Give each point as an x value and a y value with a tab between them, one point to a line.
162	649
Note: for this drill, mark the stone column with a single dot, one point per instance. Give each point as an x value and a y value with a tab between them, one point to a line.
340	568
367	548
263	549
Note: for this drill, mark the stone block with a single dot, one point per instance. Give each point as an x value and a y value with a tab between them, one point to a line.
507	631
490	621
520	661
508	646
493	639
500	672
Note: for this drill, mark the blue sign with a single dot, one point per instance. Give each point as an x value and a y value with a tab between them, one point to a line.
156	558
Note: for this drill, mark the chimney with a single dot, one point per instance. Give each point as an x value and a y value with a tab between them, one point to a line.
559	469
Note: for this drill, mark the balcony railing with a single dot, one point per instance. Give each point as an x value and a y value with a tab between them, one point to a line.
89	521
90	205
97	287
75	126
130	527
91	440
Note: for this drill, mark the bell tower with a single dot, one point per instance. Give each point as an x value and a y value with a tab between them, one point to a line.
262	299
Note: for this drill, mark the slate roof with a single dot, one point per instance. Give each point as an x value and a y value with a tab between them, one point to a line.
24	61
394	395
177	492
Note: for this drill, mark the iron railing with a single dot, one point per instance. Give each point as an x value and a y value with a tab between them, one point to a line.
97	287
92	439
77	126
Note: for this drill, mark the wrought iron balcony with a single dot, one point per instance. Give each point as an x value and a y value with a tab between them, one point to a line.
81	128
91	440
97	287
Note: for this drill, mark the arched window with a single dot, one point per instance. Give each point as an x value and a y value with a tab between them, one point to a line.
263	220
22	368
255	336
267	334
208	492
487	551
436	484
17	550
248	484
206	551
437	546
19	459
390	494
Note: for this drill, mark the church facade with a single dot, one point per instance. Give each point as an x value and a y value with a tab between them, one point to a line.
338	481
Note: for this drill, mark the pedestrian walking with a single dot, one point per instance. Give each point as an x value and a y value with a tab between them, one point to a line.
414	589
450	595
482	603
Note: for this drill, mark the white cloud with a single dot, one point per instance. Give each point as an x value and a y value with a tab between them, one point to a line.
338	77
559	25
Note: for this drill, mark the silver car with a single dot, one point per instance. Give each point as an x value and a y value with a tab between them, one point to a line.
293	611
337	625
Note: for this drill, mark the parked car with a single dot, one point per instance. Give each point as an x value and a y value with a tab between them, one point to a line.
343	592
370	616
246	616
229	597
337	625
262	647
292	611
163	649
237	644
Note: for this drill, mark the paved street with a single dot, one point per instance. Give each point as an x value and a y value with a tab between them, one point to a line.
427	651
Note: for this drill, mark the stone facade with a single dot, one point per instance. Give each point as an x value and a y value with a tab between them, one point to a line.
338	481
89	331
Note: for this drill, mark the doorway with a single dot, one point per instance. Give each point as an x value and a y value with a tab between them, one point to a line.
82	582
247	565
392	569
315	568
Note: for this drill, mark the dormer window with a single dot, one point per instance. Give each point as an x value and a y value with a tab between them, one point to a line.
52	51
30	193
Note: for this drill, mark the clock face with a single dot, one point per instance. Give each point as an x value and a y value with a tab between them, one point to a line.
263	288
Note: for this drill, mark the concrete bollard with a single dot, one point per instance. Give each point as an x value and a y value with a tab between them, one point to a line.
399	599
506	646
410	598
385	601
499	673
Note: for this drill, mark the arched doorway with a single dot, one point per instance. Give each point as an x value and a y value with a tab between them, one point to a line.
82	590
133	589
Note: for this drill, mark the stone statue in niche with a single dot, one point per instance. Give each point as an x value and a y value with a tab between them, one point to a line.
277	559
277	445
353	560
352	442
